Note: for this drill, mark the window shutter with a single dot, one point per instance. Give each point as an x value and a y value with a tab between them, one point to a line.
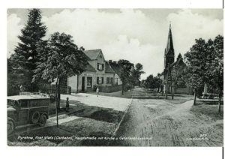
102	80
97	80
102	66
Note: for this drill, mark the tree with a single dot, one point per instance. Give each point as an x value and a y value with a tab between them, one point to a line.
26	56
153	82
157	83
215	66
126	69
62	59
136	74
195	72
149	81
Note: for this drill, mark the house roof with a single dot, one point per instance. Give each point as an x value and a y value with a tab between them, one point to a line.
108	68
93	54
20	97
179	65
90	68
115	66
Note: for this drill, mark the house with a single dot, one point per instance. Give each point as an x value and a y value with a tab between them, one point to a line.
117	69
99	73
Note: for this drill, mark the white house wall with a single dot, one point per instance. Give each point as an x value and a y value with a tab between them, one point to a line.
119	81
72	82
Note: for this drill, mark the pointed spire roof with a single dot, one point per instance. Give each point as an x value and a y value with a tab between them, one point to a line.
169	47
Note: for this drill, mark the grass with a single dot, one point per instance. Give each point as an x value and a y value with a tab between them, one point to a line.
208	110
102	114
95	121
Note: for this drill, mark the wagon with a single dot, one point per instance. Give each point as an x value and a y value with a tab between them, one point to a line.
27	109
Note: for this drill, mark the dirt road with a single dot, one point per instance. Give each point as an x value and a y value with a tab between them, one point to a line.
158	122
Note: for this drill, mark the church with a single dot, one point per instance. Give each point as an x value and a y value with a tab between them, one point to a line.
171	75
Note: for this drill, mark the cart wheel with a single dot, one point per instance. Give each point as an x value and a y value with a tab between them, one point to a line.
10	126
35	117
42	120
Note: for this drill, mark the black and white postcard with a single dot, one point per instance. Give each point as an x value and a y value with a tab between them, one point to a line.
115	77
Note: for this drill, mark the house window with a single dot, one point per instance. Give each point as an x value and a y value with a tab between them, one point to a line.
100	67
89	81
100	80
111	80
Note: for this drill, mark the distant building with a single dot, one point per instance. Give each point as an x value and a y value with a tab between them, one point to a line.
99	73
173	70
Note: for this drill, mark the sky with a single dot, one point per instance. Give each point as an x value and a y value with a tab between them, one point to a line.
137	35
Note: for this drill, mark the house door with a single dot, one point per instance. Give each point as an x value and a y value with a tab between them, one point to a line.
83	84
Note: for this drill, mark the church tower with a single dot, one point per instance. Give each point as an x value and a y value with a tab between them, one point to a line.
169	50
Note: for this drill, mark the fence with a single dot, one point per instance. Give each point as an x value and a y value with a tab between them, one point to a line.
109	89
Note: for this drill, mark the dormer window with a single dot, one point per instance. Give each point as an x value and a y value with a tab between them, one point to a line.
100	67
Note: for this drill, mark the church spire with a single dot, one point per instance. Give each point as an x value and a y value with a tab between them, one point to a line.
169	47
169	50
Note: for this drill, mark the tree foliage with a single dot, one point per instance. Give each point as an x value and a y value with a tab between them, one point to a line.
60	59
153	82
205	64
24	60
126	70
195	61
136	74
215	67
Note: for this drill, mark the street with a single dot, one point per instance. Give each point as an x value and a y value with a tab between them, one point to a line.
160	122
132	122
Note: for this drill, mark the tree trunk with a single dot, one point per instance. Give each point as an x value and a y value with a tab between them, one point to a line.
58	92
122	88
77	83
220	96
172	95
166	90
56	104
172	90
194	97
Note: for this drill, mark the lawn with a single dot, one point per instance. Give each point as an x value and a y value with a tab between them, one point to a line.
208	110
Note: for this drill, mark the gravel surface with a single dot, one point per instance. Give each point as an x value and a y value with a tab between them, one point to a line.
119	104
153	122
